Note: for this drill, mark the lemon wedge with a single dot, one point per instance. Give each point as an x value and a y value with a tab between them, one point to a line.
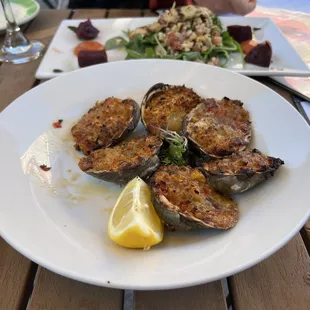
134	222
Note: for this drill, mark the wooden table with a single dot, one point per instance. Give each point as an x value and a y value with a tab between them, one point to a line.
280	282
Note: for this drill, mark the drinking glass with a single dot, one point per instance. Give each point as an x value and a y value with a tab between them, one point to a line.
17	48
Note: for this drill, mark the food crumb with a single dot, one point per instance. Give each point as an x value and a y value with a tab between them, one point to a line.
45	168
69	170
57	50
57	71
58	124
146	248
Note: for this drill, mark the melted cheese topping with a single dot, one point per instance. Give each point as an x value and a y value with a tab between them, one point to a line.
219	127
126	155
189	193
166	109
246	162
103	123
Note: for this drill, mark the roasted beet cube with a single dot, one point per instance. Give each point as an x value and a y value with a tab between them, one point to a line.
86	31
260	55
240	33
89	58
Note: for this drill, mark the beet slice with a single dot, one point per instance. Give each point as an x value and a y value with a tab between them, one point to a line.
89	58
240	33
86	31
260	55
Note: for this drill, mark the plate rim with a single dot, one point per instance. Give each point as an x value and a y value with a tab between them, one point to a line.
89	280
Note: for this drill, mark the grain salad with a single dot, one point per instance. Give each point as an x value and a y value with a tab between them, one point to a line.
186	33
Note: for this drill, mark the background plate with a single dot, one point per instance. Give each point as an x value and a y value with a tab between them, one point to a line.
60	55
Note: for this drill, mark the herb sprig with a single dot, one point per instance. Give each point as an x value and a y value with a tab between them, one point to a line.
174	152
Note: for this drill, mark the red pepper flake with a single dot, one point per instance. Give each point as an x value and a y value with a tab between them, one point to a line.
45	168
58	124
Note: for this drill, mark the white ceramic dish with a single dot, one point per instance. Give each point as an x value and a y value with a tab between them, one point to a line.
60	55
59	218
23	10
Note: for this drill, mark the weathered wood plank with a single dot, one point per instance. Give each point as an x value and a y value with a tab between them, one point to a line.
208	296
15	277
124	13
89	13
17	79
279	282
52	291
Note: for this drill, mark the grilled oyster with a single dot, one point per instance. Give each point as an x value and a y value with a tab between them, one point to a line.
218	128
241	171
164	106
184	200
123	162
107	123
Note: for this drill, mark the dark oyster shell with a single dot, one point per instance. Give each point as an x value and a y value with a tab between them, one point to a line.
184	200
241	171
123	162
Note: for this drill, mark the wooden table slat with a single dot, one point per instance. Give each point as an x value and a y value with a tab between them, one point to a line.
52	291
15	273
22	76
124	13
279	282
89	13
207	296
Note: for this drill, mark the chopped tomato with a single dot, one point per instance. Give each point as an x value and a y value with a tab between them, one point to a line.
58	124
171	36
173	41
217	40
220	113
247	46
88	46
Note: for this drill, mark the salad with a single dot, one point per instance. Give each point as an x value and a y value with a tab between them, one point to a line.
187	33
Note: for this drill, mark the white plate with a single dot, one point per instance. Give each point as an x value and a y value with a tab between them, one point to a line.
23	10
59	218
285	60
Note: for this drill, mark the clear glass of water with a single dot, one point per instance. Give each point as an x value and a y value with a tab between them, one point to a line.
17	48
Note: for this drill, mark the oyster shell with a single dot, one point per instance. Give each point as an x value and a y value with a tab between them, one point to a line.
106	124
184	200
123	162
218	128
241	171
164	106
